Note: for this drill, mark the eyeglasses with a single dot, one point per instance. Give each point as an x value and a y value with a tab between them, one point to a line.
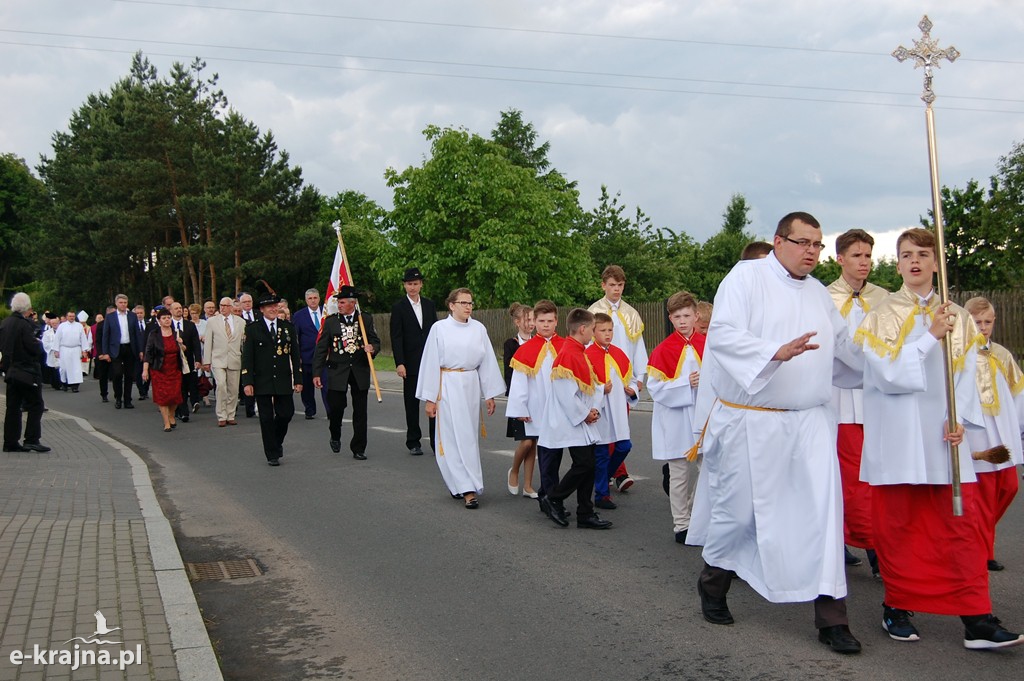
806	243
465	303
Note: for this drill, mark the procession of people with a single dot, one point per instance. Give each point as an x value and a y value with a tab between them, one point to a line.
794	420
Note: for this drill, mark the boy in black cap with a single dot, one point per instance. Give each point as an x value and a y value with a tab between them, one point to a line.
411	319
271	371
347	358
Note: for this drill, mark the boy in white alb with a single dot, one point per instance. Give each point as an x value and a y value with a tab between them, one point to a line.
531	387
614	370
628	334
673	377
1001	388
939	564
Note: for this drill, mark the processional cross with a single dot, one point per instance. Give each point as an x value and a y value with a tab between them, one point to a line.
927	55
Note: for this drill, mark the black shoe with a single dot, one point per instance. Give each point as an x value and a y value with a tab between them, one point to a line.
129	405
249	414
851	560
897	623
592	522
142	397
681	537
184	419
416	451
15	448
715	610
310	417
554	510
74	389
840	639
606	503
195	408
117	403
104	398
335	446
985	633
35	447
995	566
359	456
273	462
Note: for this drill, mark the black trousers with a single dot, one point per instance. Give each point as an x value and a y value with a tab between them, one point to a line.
143	386
31	398
249	402
579	479
828	611
548	461
309	391
122	373
337	401
276	412
101	370
189	393
413	406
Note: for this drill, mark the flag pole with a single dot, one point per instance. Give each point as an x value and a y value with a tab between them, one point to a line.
927	54
362	327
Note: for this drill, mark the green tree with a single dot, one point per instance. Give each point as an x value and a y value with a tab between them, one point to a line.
469	216
721	251
364	227
23	206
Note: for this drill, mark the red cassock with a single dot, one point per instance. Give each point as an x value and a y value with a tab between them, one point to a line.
996	491
856	494
931	560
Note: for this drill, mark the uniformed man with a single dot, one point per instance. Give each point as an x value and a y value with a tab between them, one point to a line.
347	359
271	372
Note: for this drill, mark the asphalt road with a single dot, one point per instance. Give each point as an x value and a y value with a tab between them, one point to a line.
374	572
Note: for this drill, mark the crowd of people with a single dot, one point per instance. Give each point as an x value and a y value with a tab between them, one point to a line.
794	420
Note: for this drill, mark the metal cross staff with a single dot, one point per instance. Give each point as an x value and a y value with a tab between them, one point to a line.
927	55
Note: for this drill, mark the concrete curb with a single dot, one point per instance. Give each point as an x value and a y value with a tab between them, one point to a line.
193	652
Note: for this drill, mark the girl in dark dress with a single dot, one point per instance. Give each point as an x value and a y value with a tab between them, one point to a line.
526	449
162	367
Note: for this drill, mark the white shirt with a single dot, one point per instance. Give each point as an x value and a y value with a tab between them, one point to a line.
122	321
417	308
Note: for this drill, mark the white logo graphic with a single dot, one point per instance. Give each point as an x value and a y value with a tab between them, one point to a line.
80	656
101	630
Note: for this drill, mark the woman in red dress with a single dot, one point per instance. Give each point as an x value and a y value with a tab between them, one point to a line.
162	367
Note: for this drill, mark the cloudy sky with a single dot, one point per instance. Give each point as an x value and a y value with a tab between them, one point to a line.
677	104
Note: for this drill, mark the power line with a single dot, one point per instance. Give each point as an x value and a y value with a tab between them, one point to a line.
499	66
538	31
630	88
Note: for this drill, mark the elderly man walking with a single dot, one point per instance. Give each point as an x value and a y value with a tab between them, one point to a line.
20	363
222	355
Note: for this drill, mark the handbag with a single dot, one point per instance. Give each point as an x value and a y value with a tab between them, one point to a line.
185	369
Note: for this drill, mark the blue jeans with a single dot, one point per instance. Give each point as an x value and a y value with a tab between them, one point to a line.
607	459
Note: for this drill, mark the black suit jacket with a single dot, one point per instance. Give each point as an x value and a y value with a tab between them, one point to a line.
407	338
112	335
271	365
341	351
190	337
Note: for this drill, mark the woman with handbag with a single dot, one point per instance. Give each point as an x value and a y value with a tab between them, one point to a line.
162	366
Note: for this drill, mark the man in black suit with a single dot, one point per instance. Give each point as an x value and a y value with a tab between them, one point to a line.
307	326
411	319
249	315
122	347
347	358
189	335
271	372
140	323
101	370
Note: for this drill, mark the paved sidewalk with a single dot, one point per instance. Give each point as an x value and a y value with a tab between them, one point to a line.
84	547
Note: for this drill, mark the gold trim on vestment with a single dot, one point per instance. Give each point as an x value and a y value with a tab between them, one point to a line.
842	295
628	316
437	403
749	406
991	362
885	328
566	372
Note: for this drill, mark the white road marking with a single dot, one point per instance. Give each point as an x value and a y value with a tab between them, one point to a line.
385	429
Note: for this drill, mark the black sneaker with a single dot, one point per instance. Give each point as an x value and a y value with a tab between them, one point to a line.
851	560
897	623
605	503
986	632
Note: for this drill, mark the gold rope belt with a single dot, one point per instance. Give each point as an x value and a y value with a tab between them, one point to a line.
483	428
750	407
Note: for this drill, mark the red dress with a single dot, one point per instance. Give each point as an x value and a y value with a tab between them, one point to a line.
166	381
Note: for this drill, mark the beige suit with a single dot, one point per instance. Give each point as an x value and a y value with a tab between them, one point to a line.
223	353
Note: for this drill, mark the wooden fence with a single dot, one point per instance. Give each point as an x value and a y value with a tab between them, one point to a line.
1009	327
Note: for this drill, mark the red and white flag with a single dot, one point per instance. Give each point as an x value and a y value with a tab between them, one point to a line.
339	275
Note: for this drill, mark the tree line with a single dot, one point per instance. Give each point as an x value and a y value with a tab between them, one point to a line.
159	186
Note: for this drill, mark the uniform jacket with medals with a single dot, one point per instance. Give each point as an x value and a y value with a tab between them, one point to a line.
341	351
271	365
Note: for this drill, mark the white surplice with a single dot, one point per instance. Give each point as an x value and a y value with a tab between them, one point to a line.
528	395
672	424
613	426
1005	427
769	503
459	369
71	341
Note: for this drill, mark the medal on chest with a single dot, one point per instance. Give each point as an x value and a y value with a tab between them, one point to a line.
347	340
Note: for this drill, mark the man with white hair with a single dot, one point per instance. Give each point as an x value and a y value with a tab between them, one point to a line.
222	354
19	359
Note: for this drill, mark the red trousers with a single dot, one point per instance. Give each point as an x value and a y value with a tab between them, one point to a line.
931	561
996	491
856	494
